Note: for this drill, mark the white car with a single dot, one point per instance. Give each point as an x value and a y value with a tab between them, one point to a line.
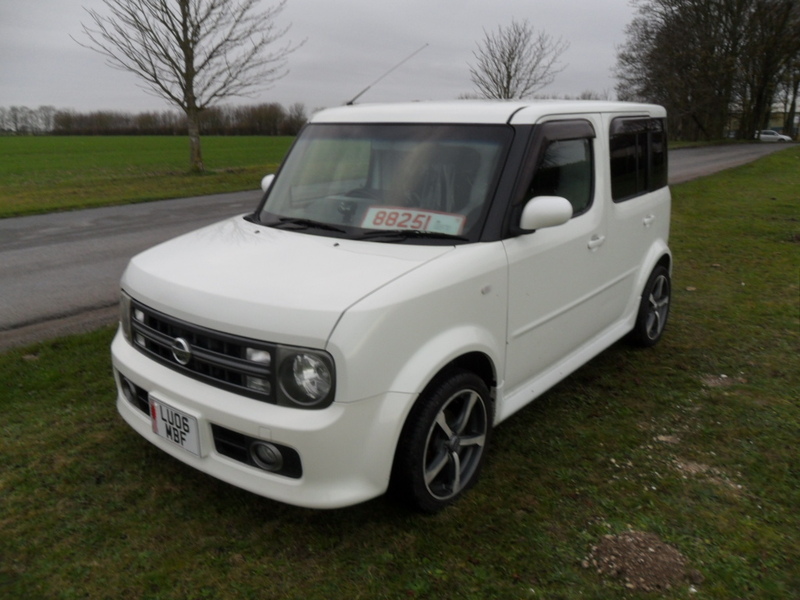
414	275
772	136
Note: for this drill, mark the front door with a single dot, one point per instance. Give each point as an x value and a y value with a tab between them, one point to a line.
562	289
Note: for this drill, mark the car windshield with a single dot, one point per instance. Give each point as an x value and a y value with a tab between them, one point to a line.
389	183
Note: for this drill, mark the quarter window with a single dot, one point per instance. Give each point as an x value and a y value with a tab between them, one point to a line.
638	157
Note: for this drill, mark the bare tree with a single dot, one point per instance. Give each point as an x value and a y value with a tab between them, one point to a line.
772	46
682	54
709	62
14	118
790	93
192	53
295	119
46	116
515	62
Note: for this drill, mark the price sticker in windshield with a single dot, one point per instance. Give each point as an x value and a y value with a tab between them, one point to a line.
381	217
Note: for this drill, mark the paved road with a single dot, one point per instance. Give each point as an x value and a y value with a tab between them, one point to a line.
691	163
59	273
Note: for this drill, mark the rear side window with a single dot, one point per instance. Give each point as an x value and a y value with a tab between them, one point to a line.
638	157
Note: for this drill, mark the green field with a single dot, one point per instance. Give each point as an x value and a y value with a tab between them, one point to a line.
693	441
44	174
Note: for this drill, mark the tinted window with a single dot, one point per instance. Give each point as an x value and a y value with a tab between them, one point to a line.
566	171
638	157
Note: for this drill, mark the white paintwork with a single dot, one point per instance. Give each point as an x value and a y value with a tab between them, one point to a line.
266	283
545	211
537	306
514	112
546	110
469	111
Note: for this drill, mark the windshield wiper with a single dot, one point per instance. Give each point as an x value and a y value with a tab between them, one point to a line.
408	234
297	223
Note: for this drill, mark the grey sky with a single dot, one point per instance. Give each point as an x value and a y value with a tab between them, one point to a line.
350	43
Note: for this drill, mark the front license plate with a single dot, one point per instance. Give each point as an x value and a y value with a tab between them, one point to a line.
176	426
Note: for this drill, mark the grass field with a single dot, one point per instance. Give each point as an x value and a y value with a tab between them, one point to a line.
694	441
44	174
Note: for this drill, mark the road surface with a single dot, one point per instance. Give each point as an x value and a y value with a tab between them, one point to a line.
59	273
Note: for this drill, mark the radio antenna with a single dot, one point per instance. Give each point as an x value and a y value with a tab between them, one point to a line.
397	66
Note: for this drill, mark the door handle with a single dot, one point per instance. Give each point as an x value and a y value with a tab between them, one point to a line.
648	220
596	241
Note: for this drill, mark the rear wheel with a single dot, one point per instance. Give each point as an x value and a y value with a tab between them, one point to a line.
653	309
444	441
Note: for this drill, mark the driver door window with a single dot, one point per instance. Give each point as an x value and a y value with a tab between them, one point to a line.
566	171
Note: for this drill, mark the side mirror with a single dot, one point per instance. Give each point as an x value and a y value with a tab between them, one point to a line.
545	211
266	182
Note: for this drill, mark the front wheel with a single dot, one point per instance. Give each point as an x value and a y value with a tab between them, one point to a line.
444	441
653	309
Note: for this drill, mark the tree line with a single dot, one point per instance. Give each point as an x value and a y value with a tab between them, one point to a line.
260	119
716	65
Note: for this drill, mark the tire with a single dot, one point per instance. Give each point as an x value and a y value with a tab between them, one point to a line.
653	309
444	441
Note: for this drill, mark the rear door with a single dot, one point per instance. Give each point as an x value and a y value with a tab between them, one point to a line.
638	224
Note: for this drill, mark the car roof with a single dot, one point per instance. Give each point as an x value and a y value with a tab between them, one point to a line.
477	111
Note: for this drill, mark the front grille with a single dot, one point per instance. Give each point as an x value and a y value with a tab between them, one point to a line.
214	357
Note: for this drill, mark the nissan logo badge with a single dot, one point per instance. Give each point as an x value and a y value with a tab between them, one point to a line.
182	351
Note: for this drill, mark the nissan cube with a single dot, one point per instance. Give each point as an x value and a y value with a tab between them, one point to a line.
413	276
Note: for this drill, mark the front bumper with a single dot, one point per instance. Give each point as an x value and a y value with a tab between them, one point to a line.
346	450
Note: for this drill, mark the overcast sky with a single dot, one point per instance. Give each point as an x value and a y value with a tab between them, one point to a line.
349	44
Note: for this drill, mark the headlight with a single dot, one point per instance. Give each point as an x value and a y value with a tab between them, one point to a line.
125	315
306	378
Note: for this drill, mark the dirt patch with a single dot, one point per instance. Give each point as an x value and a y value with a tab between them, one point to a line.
710	474
718	381
668	439
642	561
692	468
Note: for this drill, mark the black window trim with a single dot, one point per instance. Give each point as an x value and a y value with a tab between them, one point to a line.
640	124
542	136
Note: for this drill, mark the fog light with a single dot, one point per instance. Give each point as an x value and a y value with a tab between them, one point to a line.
138	314
140	341
266	456
127	390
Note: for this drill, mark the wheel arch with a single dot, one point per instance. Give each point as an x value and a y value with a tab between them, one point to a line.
478	363
665	261
658	256
475	363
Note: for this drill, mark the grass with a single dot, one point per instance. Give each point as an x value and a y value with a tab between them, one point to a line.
694	440
45	174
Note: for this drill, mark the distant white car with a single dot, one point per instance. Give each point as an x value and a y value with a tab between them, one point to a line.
769	135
